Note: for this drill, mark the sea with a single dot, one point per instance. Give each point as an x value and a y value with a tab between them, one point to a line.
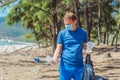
12	43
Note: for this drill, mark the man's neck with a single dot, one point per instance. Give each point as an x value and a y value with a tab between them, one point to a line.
74	28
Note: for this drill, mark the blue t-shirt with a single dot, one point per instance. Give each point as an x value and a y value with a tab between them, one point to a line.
72	46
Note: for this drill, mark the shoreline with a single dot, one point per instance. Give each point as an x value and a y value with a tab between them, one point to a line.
7	49
9	42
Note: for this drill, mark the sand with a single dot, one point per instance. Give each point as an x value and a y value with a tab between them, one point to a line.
21	66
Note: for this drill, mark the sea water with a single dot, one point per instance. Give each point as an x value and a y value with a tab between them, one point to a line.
4	43
9	43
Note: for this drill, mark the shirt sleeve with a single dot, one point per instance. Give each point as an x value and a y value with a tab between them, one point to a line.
85	37
60	38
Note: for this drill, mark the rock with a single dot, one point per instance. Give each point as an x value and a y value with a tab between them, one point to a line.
116	50
98	53
107	55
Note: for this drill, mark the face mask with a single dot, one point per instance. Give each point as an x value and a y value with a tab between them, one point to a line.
69	27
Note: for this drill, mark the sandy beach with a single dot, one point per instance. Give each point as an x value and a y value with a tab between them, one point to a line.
21	66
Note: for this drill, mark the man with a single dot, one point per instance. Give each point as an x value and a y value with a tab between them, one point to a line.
70	43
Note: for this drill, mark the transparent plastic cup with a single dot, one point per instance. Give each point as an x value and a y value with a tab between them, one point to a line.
48	59
90	46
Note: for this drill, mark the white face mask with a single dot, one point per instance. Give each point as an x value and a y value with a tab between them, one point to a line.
69	26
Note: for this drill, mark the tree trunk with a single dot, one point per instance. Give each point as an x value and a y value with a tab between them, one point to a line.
113	40
55	24
116	39
77	11
37	38
90	24
86	16
107	35
60	22
38	43
46	42
104	38
99	21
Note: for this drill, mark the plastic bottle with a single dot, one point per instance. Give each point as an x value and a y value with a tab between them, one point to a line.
48	59
36	59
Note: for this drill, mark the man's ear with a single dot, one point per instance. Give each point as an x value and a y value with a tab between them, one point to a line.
75	21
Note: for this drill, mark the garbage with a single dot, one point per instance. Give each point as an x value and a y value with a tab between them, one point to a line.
36	70
48	59
90	46
36	59
88	73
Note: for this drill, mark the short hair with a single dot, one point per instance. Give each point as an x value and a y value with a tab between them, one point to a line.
70	15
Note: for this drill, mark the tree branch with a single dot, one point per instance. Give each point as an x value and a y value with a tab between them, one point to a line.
43	10
4	4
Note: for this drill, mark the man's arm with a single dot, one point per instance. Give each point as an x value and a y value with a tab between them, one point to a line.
84	46
57	52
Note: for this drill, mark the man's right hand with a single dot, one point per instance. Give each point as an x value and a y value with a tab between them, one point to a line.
54	60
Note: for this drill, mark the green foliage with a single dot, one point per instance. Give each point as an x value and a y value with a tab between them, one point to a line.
32	17
29	37
37	16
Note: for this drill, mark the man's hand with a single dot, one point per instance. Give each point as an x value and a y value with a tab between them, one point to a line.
54	60
87	51
57	54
